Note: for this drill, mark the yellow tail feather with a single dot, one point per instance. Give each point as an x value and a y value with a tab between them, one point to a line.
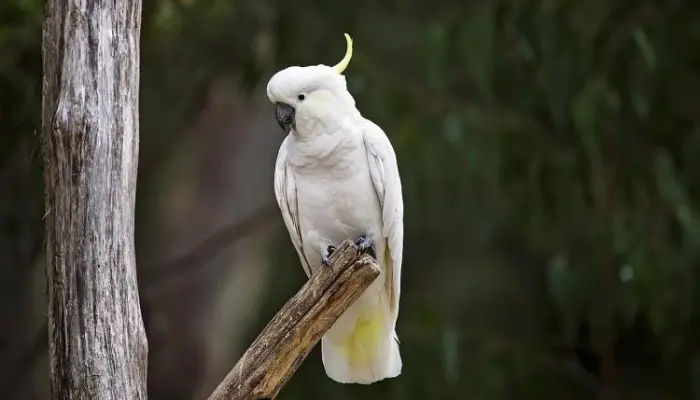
361	346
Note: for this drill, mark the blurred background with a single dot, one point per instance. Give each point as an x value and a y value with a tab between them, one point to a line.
550	157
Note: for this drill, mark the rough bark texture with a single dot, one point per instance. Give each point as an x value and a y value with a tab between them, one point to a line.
90	126
285	342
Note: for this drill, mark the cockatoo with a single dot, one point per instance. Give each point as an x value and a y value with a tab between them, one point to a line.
336	177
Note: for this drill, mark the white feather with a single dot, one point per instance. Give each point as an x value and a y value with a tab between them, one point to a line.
387	182
285	193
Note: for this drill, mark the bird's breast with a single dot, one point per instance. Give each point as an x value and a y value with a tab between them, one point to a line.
335	207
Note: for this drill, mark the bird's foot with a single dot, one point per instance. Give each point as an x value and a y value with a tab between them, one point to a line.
326	256
366	246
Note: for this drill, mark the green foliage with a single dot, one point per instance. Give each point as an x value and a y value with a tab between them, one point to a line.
20	176
559	125
20	67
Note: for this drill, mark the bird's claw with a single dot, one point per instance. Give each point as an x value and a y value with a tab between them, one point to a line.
366	246
326	256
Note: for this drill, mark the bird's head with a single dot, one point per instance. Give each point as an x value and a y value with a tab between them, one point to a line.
310	97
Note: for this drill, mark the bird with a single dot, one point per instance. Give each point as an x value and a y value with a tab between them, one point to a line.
336	177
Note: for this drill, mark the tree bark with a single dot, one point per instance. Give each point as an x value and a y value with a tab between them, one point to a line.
278	351
90	127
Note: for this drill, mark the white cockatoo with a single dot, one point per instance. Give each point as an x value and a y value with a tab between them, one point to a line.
336	177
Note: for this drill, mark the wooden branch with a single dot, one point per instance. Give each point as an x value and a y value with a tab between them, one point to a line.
90	128
279	350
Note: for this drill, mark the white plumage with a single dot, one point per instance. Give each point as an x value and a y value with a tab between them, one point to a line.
337	178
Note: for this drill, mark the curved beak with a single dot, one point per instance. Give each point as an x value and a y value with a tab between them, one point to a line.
284	113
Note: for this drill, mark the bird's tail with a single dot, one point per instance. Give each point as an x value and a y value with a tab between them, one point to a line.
362	346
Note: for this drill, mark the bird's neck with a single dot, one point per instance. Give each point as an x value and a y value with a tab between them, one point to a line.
330	150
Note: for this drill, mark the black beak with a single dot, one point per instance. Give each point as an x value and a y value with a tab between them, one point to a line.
284	113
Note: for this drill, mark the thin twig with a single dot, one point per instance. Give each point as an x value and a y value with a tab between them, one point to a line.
208	249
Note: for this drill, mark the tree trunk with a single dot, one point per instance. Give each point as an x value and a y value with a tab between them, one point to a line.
90	125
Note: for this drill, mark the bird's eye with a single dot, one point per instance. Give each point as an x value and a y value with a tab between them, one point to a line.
301	97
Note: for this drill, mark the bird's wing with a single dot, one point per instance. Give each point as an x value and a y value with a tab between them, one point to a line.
387	183
286	195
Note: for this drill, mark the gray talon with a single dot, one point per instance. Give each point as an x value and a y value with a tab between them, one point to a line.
326	256
366	245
